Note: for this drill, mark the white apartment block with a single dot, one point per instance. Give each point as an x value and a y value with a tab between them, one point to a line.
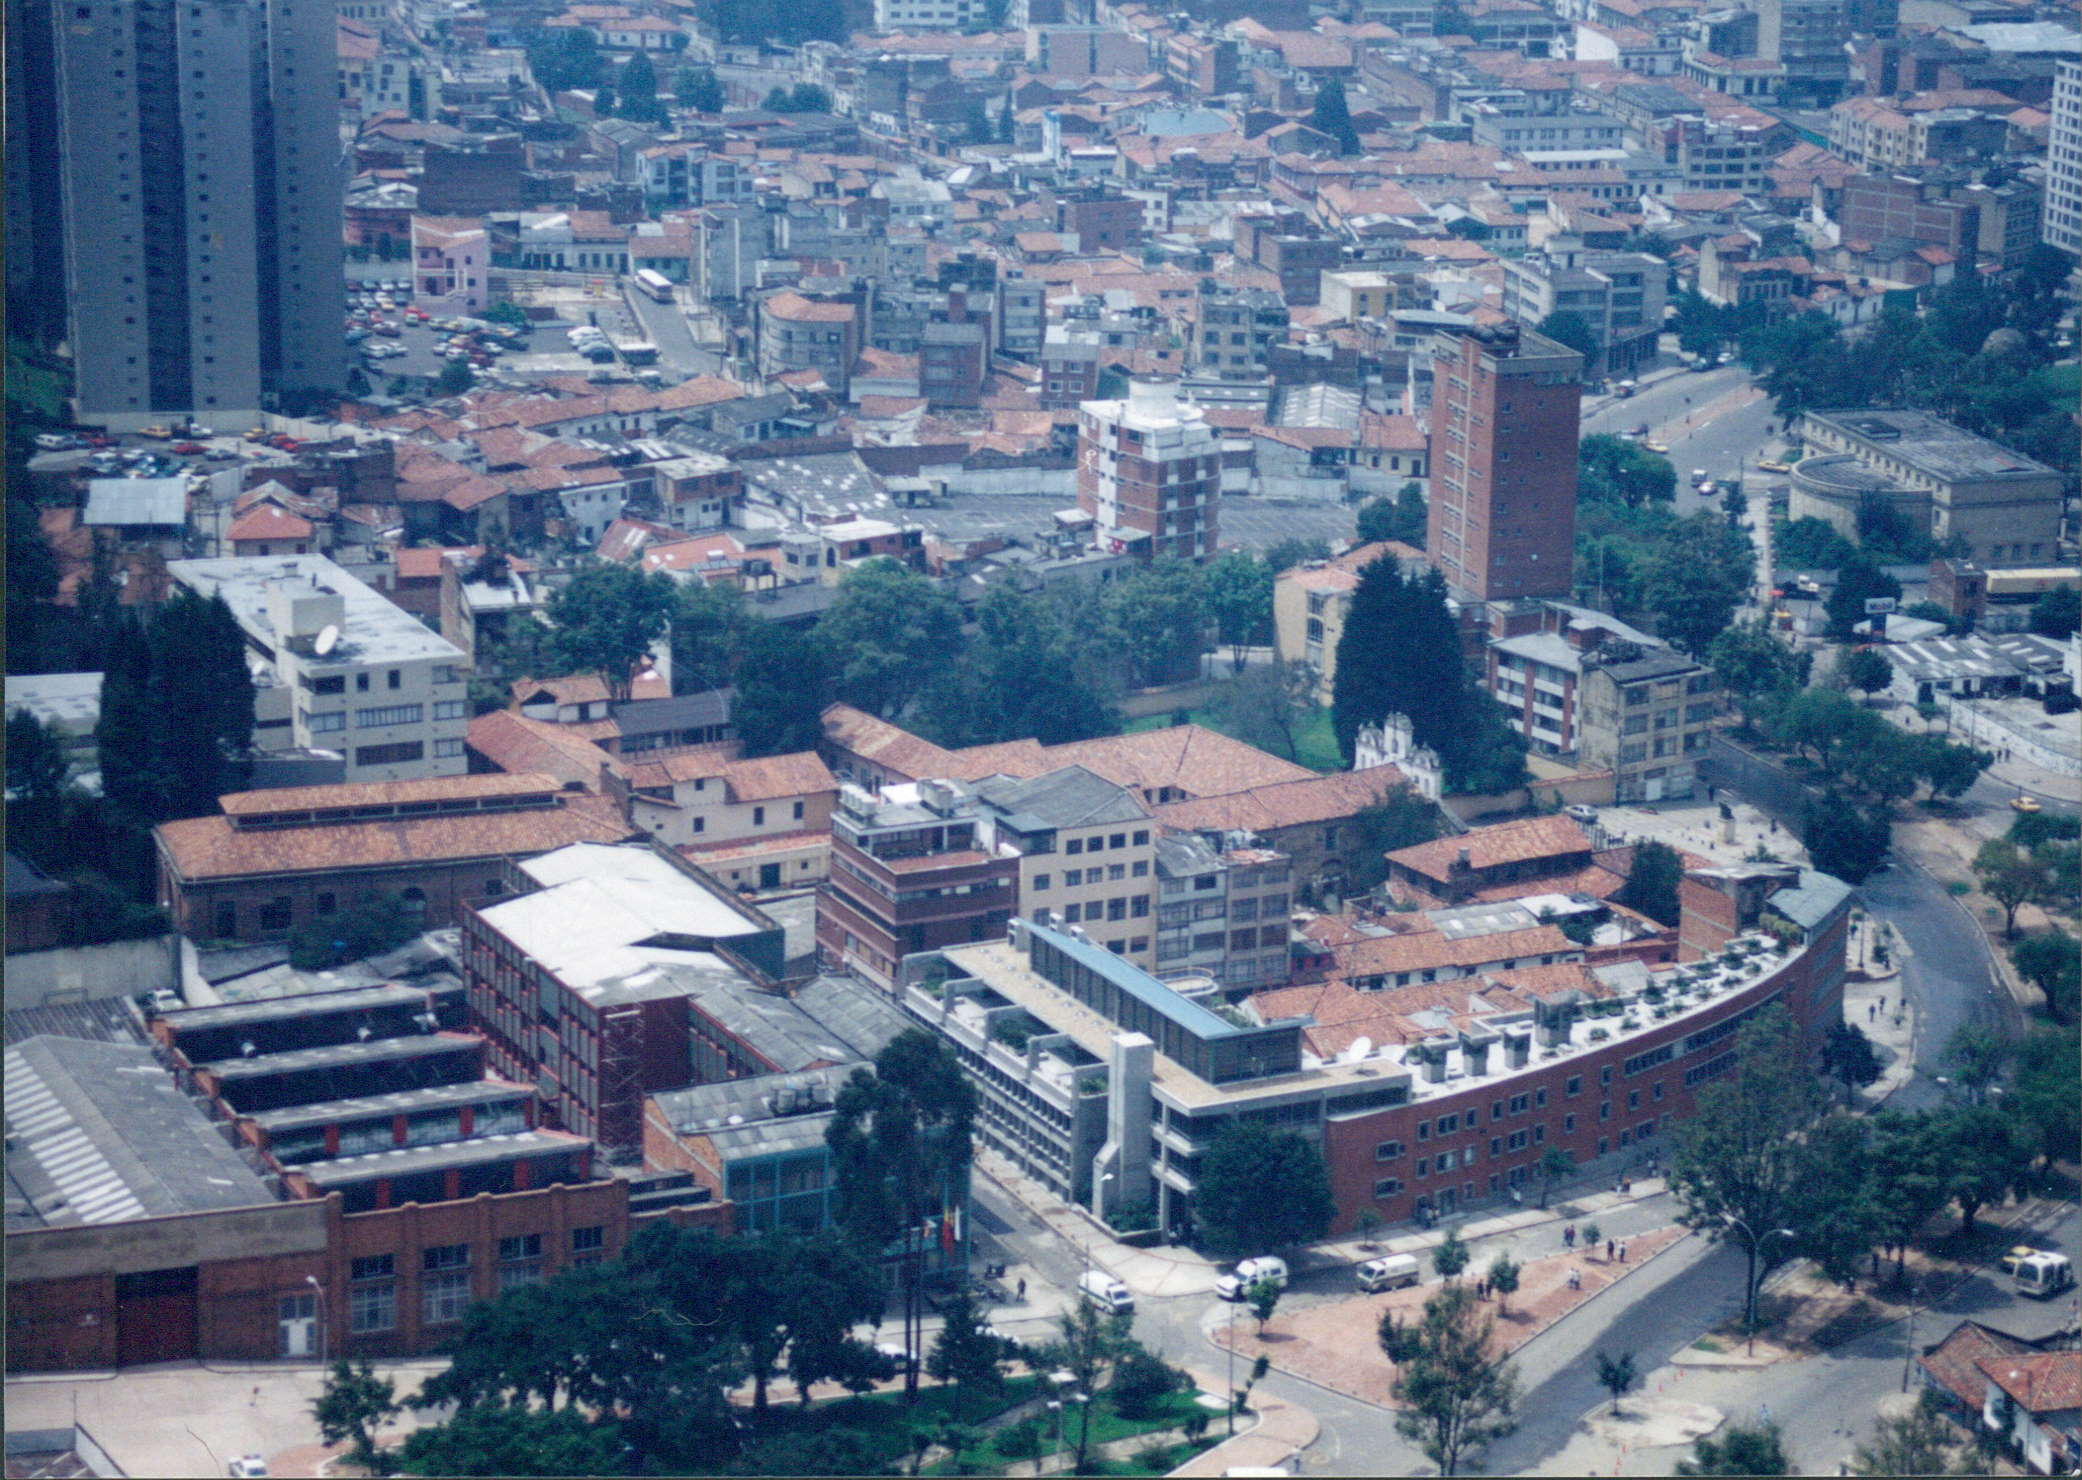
2061	226
926	15
339	668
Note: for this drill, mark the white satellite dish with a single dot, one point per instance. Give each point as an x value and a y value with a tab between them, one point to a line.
328	638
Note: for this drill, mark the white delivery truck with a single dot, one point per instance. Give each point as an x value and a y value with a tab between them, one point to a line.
1106	1292
1389	1272
2043	1275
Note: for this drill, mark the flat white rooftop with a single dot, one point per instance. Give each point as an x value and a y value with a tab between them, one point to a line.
373	631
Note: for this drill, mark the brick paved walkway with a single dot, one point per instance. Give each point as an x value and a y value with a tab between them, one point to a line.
1336	1345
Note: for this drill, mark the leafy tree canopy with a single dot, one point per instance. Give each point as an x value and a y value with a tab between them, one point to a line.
1261	1190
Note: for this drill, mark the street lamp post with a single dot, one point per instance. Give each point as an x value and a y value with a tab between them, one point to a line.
1755	1246
319	1306
1231	1344
1908	1351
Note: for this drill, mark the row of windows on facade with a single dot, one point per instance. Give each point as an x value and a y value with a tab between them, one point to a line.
336	683
383	717
1518	1176
1076	877
444	1277
758	817
279	913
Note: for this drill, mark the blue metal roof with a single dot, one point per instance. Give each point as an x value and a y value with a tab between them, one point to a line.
1139	984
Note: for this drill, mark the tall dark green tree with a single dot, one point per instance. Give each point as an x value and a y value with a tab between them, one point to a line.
1261	1190
1332	116
636	91
783	687
1455	1396
38	792
355	1403
697	88
1567	327
1736	1161
1400	654
1402	517
1860	580
131	782
1159	621
1239	593
1028	671
899	1139
1652	881
202	697
607	619
709	632
888	632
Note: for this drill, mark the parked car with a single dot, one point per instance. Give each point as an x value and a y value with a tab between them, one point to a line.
190	449
53	442
1655	446
1772	465
1581	811
158	432
2043	1275
2024	803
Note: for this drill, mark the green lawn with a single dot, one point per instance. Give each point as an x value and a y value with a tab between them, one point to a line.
37	387
1107	1426
1317	740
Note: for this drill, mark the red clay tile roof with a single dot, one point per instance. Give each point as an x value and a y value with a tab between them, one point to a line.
513	742
798	309
1491	847
1955	1361
269	522
211	848
1286	803
2045	1382
798	775
351	794
788	842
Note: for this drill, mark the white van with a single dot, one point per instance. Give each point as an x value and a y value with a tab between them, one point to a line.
1389	1272
1236	1284
2043	1275
1106	1292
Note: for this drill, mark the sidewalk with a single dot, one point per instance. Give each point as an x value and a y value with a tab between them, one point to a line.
1279	1432
1336	1345
1152	1273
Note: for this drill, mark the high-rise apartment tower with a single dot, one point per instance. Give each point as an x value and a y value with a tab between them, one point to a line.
1503	463
1149	472
199	185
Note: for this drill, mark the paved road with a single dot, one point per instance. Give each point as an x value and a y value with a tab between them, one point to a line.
1358	1438
1948	978
665	325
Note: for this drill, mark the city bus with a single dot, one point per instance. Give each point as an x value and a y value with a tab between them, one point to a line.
655	284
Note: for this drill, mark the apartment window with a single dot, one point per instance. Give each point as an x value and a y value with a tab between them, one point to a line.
1142	838
1141	868
798	812
1568	1125
1574	1087
1496	1147
1655	1091
1040	882
1387	1187
361	683
1605	1076
1138	906
1073	878
1118	840
327	903
386	715
759	817
1117	909
1448	1124
451	709
276	913
1388	1151
446	749
1074	846
588	1244
326	724
1072	914
1423	1166
1424	1130
388	755
1604	1111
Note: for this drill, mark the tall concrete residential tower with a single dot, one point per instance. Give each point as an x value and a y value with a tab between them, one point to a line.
199	187
2061	226
1149	472
1503	463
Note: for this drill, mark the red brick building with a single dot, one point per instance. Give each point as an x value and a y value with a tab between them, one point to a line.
276	860
909	874
1149	473
1503	463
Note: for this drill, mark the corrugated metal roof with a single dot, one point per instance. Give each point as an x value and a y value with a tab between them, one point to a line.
99	1132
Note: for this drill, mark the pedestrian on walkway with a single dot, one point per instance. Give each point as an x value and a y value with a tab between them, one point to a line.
1622	1251
1022	1291
1610	1245
1568	1237
1575	1278
1872	1013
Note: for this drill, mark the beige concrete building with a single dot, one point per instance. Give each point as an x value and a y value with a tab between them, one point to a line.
1087	854
751	824
1649	718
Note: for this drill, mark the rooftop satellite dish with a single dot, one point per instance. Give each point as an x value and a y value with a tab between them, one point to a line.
328	638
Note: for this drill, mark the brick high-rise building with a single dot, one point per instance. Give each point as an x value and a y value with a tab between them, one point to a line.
1149	472
1504	411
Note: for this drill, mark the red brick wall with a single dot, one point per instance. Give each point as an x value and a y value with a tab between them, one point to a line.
1811	985
447	887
